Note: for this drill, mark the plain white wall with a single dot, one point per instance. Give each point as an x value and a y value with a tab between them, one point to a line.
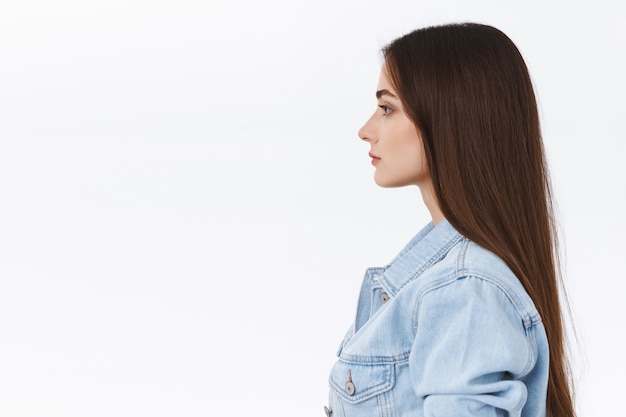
186	211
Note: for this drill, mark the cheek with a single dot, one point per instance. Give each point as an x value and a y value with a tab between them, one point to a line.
414	159
411	145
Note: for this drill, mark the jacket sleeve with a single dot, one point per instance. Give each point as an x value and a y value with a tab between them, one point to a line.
471	352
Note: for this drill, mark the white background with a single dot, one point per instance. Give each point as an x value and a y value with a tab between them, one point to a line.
186	211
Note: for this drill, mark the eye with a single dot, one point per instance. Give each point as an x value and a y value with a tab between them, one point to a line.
386	110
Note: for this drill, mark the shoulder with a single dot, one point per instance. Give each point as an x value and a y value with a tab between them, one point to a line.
469	273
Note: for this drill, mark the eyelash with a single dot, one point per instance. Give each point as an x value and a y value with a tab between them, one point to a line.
386	109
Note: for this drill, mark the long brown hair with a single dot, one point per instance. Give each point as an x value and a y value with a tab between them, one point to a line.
467	90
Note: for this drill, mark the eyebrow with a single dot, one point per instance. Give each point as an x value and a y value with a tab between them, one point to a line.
380	93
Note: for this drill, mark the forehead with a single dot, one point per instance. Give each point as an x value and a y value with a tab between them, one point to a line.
384	83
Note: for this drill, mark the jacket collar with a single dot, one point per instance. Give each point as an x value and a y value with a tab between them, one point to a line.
429	246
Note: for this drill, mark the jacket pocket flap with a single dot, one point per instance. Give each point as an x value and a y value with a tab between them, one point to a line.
358	382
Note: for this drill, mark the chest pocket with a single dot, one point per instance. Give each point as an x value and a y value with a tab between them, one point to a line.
362	389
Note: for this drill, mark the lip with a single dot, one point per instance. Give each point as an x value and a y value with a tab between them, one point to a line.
375	158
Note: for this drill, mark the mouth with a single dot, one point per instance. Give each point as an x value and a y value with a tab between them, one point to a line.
375	158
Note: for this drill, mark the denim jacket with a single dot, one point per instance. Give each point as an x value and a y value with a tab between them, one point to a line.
445	330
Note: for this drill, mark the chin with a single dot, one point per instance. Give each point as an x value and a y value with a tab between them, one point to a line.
389	184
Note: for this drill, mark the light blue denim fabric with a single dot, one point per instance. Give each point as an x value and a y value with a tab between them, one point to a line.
444	330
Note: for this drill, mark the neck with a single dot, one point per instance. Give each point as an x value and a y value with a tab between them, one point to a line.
428	195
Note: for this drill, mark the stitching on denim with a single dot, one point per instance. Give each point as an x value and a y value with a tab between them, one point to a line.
532	347
462	272
527	317
528	321
375	360
439	255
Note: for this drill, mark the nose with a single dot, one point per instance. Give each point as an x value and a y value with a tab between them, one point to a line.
367	131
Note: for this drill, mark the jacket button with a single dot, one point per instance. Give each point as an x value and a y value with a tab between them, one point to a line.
384	297
328	411
350	388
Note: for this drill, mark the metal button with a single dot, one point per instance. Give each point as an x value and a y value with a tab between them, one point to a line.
350	388
384	297
328	411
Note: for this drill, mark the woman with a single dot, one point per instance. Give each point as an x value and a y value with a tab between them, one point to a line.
465	321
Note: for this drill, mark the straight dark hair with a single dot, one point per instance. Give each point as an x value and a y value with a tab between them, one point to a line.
467	90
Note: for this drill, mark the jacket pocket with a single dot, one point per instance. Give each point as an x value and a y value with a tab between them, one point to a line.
358	383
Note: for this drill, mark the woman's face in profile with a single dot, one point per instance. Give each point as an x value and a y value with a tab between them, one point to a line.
396	148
